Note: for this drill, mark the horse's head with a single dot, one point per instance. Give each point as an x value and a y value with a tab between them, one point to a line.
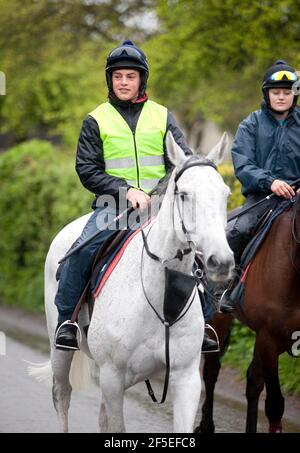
200	202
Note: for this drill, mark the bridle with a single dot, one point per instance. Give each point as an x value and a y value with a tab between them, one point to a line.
194	161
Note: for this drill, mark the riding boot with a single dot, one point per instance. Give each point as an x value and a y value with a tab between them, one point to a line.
66	336
227	304
209	345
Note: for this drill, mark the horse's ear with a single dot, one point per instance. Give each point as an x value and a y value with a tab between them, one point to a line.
218	151
174	152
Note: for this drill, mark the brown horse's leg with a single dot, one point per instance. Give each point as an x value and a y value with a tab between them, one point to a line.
255	385
274	404
211	368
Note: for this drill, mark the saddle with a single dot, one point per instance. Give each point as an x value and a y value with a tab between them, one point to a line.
105	260
253	246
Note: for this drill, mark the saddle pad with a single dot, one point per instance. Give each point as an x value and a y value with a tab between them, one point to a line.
112	260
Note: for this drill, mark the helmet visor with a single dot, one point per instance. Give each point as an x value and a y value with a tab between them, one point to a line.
126	51
283	76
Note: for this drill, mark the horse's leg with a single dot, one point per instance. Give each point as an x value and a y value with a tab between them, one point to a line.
255	385
274	404
61	389
185	387
112	388
211	369
103	423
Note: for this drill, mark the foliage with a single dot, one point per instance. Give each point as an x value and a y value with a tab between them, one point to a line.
40	193
239	355
210	56
236	198
53	54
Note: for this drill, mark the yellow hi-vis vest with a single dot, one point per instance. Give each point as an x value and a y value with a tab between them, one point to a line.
136	157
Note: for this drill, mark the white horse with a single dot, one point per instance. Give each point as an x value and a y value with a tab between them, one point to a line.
125	337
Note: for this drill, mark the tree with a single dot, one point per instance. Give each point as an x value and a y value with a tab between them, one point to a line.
53	53
210	55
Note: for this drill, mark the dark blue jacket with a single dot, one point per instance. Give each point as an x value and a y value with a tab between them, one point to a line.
263	150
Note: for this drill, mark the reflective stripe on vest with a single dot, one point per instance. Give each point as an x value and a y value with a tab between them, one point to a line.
136	157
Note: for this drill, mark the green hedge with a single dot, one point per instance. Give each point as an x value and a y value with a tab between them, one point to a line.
236	198
40	193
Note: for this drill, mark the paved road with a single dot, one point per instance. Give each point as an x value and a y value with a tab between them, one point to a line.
26	406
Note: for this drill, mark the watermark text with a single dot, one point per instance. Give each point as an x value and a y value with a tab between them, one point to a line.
2	343
2	84
296	345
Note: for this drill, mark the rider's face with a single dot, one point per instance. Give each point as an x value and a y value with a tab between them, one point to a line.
281	99
126	83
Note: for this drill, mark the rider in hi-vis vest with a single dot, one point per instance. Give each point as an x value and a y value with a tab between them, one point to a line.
121	150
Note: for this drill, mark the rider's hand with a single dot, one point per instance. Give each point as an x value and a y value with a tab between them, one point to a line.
282	189
138	198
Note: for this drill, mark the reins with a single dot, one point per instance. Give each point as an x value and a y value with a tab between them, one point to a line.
294	184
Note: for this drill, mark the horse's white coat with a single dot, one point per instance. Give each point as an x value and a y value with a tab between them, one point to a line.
126	339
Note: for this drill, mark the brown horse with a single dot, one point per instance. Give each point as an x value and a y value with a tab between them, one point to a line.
271	308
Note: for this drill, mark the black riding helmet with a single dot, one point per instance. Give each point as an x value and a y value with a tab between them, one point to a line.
280	75
127	56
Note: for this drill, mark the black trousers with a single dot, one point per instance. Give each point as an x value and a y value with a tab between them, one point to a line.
239	231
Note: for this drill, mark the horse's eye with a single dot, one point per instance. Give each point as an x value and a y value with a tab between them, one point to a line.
183	196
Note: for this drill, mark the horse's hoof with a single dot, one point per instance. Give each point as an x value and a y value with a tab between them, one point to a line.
275	427
205	427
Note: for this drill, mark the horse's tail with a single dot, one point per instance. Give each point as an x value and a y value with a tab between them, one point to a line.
42	372
80	373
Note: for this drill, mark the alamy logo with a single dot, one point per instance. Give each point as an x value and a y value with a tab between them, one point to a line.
296	345
2	343
2	84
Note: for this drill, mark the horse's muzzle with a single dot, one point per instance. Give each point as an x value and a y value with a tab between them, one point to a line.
220	270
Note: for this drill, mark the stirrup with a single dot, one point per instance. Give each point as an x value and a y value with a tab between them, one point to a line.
66	347
230	303
209	327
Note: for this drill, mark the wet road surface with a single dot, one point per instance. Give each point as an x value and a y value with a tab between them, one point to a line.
26	405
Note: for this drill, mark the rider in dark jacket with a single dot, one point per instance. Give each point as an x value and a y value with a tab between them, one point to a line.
266	156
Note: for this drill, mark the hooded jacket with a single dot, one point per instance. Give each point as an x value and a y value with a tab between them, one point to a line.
264	150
